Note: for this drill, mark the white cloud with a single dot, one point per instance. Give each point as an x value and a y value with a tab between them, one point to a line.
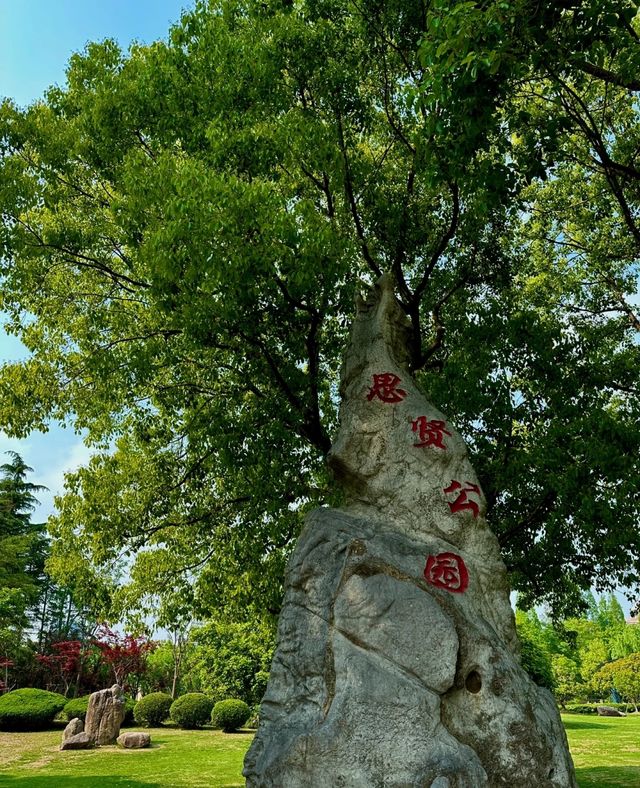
76	455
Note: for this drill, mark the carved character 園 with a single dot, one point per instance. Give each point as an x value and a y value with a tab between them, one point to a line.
448	571
385	388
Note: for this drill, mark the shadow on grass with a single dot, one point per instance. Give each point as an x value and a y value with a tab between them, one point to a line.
579	725
609	777
86	781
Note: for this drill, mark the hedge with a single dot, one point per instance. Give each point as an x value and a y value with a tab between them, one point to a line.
29	709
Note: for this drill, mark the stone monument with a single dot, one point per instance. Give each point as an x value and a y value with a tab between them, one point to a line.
105	714
397	658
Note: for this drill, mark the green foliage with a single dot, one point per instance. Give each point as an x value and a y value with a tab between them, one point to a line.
184	229
623	675
159	673
232	660
580	653
230	714
535	660
567	680
29	709
76	707
152	710
22	544
192	710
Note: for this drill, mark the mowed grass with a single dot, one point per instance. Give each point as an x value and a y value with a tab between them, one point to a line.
176	759
606	752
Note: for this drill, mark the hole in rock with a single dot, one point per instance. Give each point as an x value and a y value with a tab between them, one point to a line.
473	682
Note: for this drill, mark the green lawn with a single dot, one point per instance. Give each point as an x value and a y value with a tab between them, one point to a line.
606	752
177	759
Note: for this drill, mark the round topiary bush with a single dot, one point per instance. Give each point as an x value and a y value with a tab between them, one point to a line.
230	714
29	709
192	710
76	707
153	709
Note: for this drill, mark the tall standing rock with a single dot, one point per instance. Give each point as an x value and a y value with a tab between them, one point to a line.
105	713
397	658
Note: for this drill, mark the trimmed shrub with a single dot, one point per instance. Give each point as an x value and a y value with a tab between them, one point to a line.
192	710
29	709
153	709
230	714
76	707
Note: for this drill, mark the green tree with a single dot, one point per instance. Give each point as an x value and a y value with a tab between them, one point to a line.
568	684
184	230
22	544
231	660
624	676
534	648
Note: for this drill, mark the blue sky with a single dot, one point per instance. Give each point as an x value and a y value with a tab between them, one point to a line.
37	37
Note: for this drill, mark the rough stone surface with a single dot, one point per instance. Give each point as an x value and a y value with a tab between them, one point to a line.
105	714
607	711
80	741
74	726
386	674
134	740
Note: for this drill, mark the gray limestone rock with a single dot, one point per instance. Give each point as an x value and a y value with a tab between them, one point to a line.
397	662
74	726
79	741
105	714
134	740
608	711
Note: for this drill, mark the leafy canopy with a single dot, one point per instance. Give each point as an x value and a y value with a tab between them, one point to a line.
185	226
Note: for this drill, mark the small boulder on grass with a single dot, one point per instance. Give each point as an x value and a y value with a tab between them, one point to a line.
230	714
608	711
80	741
74	727
134	740
192	710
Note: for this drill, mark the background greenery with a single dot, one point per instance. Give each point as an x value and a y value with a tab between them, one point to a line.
606	752
184	228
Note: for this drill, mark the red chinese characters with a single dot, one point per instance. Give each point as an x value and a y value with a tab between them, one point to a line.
448	571
385	388
430	433
462	501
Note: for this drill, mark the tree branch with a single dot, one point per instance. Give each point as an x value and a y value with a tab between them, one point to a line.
348	185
